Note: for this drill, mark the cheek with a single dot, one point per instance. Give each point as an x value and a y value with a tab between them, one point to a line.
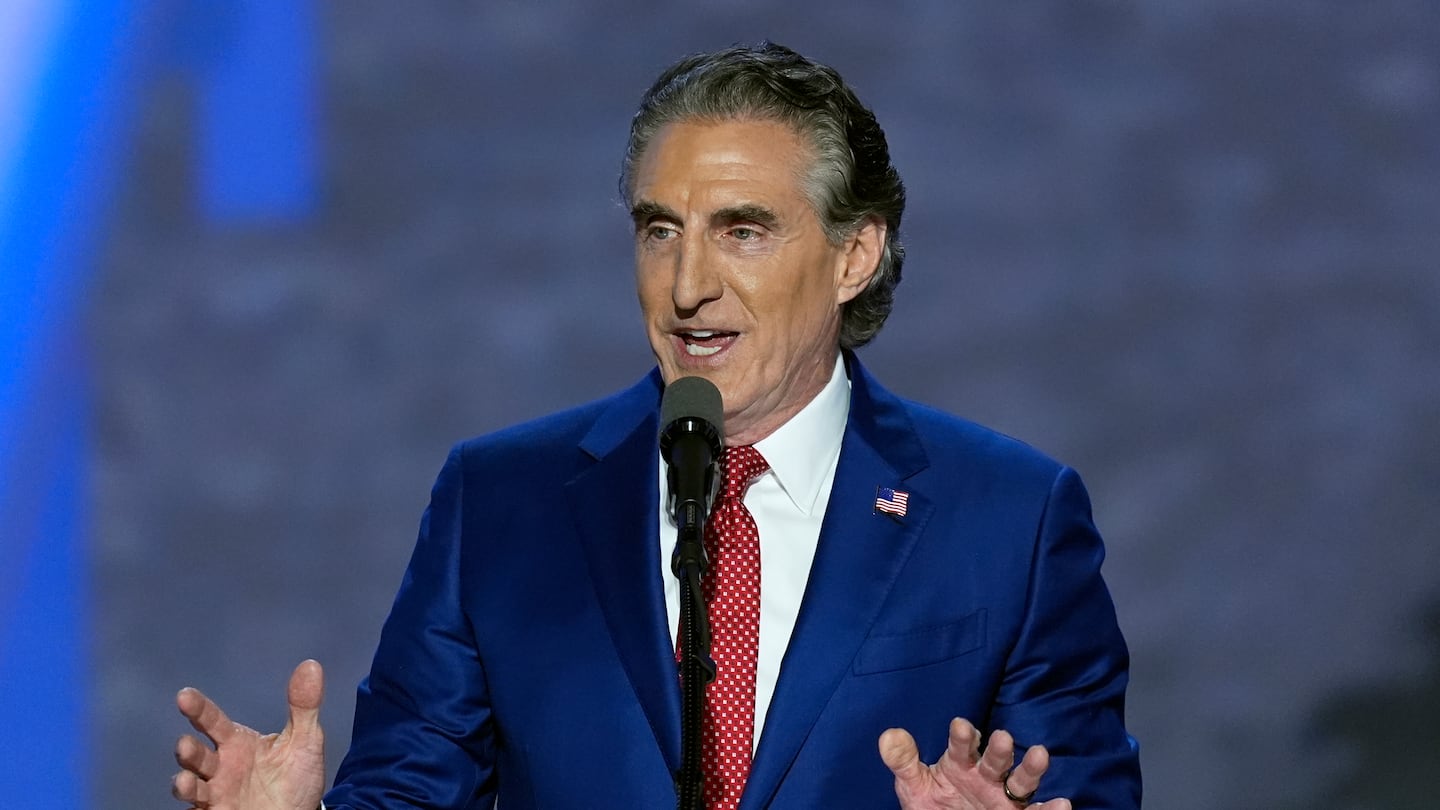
651	290
814	300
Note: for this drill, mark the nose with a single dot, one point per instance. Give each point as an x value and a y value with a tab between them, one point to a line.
696	279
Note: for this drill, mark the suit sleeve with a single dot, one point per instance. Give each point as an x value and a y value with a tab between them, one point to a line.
1066	676
423	734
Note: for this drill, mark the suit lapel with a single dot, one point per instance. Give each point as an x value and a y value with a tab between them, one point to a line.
856	564
615	507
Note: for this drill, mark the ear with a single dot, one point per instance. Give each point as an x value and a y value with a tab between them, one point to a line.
859	260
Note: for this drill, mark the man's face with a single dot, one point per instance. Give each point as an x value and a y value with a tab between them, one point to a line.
736	279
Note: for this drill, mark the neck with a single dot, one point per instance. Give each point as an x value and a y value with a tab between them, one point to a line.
740	431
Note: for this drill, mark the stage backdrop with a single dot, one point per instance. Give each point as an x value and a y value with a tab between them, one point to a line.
1189	248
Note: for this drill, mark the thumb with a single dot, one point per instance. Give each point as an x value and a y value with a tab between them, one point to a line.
306	690
901	756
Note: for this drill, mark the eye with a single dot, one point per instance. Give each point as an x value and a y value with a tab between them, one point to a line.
660	232
745	233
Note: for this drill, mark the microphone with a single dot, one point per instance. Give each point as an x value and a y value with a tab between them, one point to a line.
692	413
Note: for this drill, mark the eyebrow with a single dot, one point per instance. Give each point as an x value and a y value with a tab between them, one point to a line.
758	214
647	210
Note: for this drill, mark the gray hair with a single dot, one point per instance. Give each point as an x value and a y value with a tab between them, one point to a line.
851	180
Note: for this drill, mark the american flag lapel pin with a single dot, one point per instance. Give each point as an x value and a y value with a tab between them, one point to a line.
891	501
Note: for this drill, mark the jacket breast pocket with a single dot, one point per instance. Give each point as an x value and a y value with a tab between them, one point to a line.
918	648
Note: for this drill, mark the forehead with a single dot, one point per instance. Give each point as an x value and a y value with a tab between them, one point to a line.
699	159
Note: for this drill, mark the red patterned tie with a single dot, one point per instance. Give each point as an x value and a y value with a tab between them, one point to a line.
733	592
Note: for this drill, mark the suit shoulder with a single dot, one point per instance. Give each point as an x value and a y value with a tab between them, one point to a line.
950	438
558	436
561	429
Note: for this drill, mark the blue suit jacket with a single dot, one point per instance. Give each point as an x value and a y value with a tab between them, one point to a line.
527	655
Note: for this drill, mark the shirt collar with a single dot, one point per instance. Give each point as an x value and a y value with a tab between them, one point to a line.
801	452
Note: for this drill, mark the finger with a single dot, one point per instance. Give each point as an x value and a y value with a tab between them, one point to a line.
1053	804
205	715
999	758
963	747
195	756
902	757
1026	776
187	787
305	693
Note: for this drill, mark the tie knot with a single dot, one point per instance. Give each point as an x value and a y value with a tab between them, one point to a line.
742	465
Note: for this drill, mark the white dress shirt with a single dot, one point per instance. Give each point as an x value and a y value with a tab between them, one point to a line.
788	503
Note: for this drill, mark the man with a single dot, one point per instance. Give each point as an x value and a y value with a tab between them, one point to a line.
916	567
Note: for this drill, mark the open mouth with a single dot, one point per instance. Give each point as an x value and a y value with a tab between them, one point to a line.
705	342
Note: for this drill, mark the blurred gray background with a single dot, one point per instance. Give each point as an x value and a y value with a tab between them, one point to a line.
1187	246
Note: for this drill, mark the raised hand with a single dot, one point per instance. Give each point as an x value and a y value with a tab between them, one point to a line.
962	779
248	771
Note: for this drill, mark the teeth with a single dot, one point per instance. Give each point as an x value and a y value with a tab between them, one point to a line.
690	338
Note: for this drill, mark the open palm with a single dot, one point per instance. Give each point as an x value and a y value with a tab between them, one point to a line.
963	779
247	770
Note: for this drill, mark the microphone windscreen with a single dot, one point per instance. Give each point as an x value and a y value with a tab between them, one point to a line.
694	397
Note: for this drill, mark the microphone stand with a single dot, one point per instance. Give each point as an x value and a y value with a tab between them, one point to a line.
696	667
688	563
